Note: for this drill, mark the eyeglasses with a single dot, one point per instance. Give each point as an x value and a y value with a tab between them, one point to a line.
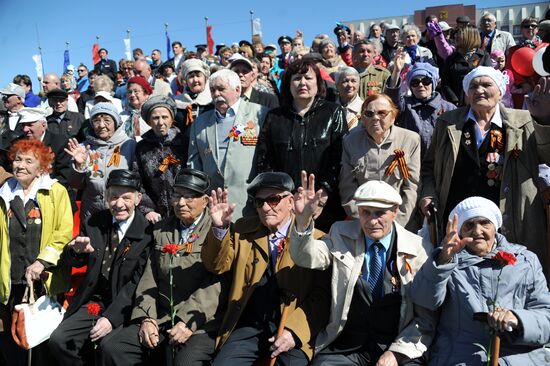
530	26
272	201
81	70
381	114
426	81
98	121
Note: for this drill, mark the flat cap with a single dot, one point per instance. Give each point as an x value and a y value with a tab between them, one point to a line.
376	193
463	19
124	178
57	93
28	115
194	180
13	89
236	58
275	180
313	56
157	101
194	64
392	26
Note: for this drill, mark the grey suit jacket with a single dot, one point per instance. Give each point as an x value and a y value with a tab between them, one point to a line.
240	165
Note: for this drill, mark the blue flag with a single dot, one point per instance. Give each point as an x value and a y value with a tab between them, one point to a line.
66	61
168	46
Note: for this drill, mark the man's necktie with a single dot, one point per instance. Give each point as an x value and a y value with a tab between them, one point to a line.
375	270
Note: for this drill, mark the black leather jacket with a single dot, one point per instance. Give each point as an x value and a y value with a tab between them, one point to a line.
290	143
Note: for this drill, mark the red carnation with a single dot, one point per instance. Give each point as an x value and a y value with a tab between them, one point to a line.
93	309
170	248
505	258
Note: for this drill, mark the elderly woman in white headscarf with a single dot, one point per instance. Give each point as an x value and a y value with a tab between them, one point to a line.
487	150
482	283
347	83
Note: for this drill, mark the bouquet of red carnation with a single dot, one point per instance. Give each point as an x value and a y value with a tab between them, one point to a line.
93	309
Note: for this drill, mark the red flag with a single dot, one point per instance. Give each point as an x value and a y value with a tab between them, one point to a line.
95	53
210	40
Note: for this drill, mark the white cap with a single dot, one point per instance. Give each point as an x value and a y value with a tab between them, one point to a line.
376	193
70	68
237	57
13	89
28	115
477	207
444	26
105	95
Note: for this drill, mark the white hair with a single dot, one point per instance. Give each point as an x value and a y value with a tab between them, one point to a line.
344	71
410	27
226	75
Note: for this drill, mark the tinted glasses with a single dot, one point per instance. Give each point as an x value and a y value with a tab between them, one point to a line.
381	114
272	201
426	81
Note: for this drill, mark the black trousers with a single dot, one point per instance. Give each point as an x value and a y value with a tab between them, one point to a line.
246	344
355	359
124	349
70	342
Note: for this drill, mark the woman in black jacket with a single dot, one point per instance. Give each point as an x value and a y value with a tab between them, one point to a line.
305	133
467	56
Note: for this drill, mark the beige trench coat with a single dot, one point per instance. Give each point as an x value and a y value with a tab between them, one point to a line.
344	249
363	160
520	202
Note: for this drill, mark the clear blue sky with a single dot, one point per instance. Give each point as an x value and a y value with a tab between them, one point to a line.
78	22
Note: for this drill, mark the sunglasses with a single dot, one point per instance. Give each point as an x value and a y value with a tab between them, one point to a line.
530	26
80	70
272	201
425	81
381	114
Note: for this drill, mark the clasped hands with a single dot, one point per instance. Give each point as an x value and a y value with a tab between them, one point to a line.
150	338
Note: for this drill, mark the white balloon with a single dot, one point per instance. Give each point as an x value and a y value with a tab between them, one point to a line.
537	62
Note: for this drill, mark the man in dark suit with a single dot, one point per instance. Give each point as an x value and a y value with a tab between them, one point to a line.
249	91
106	66
62	121
115	245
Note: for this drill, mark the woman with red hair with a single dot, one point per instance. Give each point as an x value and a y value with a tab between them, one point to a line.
36	222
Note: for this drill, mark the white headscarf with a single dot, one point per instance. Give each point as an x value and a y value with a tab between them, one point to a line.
477	207
494	74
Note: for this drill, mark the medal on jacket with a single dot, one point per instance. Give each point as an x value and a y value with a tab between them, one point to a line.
494	168
235	132
395	280
250	136
34	216
188	245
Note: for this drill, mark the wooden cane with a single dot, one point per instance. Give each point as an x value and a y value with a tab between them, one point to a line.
495	350
433	224
280	329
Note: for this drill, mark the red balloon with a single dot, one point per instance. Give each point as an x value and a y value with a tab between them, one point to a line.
522	61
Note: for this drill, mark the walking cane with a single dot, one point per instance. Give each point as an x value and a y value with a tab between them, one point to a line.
282	324
495	350
433	224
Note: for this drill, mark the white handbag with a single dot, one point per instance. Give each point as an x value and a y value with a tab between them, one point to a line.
33	323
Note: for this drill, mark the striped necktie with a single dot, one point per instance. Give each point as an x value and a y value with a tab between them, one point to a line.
376	277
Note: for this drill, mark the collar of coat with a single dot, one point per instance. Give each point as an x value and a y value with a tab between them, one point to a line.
45	182
136	230
404	246
512	118
466	259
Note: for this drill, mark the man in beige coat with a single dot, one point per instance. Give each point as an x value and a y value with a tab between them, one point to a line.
374	260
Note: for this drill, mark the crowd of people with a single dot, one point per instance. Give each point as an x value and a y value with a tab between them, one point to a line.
377	199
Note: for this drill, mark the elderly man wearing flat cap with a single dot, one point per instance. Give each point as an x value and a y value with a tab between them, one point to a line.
373	260
275	308
223	140
62	121
13	97
114	244
198	296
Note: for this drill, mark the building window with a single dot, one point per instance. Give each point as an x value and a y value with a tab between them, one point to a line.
505	28
517	30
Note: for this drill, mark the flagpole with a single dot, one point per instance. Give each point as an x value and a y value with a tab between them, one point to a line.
251	24
206	30
128	37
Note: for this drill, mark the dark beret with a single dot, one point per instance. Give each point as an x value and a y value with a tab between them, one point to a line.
57	93
276	180
194	180
313	56
124	178
158	101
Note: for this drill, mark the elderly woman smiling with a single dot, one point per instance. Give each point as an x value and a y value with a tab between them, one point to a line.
472	280
347	83
378	150
487	150
36	222
106	148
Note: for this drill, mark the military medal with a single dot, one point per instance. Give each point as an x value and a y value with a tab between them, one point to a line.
33	217
249	136
394	280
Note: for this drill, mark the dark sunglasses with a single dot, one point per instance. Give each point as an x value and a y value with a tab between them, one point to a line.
530	26
425	81
381	114
272	201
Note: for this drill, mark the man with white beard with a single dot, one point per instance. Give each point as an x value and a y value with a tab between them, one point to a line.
223	140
